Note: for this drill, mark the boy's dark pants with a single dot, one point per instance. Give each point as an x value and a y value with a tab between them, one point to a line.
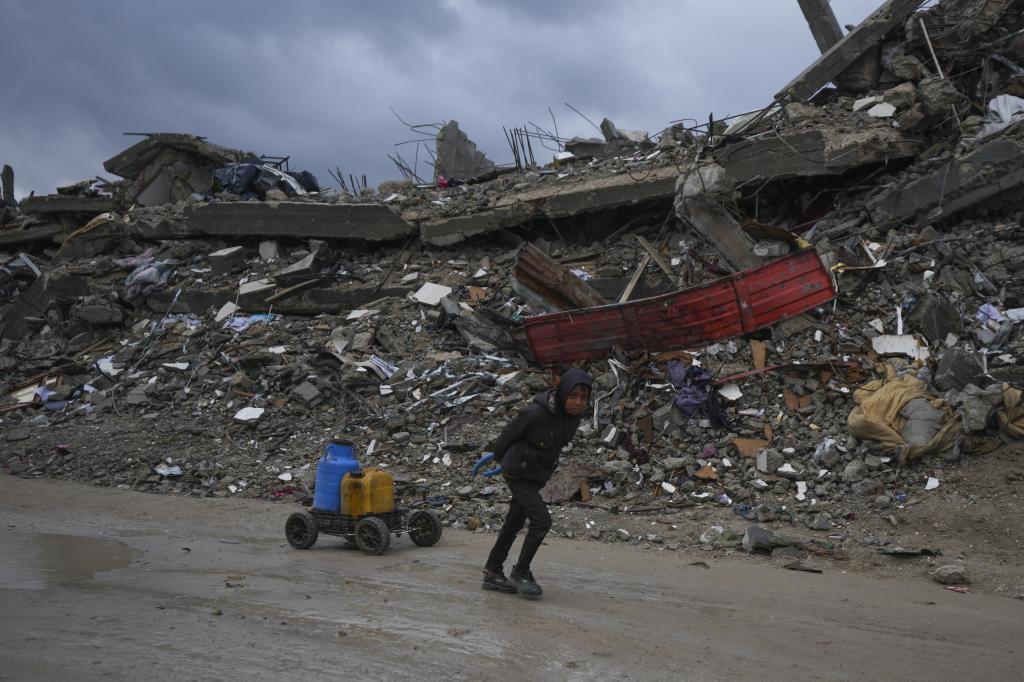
526	504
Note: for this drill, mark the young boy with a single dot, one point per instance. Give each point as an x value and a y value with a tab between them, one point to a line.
527	451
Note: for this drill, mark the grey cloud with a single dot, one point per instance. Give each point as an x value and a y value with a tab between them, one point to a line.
315	80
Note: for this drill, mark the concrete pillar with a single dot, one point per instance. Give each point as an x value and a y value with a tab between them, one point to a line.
7	186
822	21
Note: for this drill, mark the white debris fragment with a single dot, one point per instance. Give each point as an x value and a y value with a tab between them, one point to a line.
730	391
431	294
248	414
900	344
882	110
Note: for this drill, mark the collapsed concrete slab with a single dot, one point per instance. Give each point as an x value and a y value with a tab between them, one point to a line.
321	301
369	222
169	167
59	203
35	234
553	201
987	172
130	163
866	36
813	152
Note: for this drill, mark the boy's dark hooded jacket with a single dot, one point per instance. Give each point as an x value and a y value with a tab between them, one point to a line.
528	447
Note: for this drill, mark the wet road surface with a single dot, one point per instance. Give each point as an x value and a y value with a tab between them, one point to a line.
107	584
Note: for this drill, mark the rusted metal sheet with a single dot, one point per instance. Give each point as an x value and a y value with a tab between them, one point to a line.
552	282
738	304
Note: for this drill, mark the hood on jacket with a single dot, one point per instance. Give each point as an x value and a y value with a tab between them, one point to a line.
554	399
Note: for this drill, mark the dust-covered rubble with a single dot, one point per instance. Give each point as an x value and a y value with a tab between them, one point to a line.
144	349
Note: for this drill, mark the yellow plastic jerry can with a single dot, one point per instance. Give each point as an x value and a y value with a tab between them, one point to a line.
370	491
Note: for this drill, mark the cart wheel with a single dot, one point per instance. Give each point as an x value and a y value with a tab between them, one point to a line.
424	528
301	531
372	535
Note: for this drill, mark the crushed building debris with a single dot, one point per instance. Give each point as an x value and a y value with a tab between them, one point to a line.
810	313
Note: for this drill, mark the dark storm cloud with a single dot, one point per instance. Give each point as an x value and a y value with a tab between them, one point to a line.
315	80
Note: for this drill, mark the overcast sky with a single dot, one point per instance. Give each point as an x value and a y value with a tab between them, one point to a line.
315	80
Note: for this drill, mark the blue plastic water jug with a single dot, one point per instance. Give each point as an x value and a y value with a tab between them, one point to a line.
338	460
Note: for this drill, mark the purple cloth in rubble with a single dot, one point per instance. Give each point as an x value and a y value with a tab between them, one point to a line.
692	384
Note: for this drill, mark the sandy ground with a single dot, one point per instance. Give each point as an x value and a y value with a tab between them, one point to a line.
99	583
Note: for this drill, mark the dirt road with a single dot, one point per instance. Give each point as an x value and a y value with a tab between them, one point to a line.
103	583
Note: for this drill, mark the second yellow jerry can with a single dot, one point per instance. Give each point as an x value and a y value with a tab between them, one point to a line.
370	491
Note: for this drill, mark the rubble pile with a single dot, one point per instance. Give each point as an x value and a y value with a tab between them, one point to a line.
205	326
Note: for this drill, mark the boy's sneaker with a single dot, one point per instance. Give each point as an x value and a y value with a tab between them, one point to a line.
497	581
524	583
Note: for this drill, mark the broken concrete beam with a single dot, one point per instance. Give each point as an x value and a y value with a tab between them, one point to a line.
370	222
990	170
59	203
822	22
227	260
330	301
321	301
196	301
813	152
35	234
860	76
457	155
549	201
866	36
716	225
552	284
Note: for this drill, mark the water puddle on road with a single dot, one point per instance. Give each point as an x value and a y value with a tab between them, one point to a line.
38	561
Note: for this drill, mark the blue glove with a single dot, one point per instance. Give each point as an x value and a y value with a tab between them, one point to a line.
492	472
487	457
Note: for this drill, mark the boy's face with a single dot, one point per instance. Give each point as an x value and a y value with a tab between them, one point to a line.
577	400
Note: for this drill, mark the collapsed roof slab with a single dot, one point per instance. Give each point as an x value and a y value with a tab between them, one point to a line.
368	222
813	152
59	203
133	161
35	234
554	201
987	172
840	56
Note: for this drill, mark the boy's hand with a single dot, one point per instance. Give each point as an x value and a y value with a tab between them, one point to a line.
487	457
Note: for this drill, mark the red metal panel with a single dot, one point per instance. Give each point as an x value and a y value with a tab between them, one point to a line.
727	307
